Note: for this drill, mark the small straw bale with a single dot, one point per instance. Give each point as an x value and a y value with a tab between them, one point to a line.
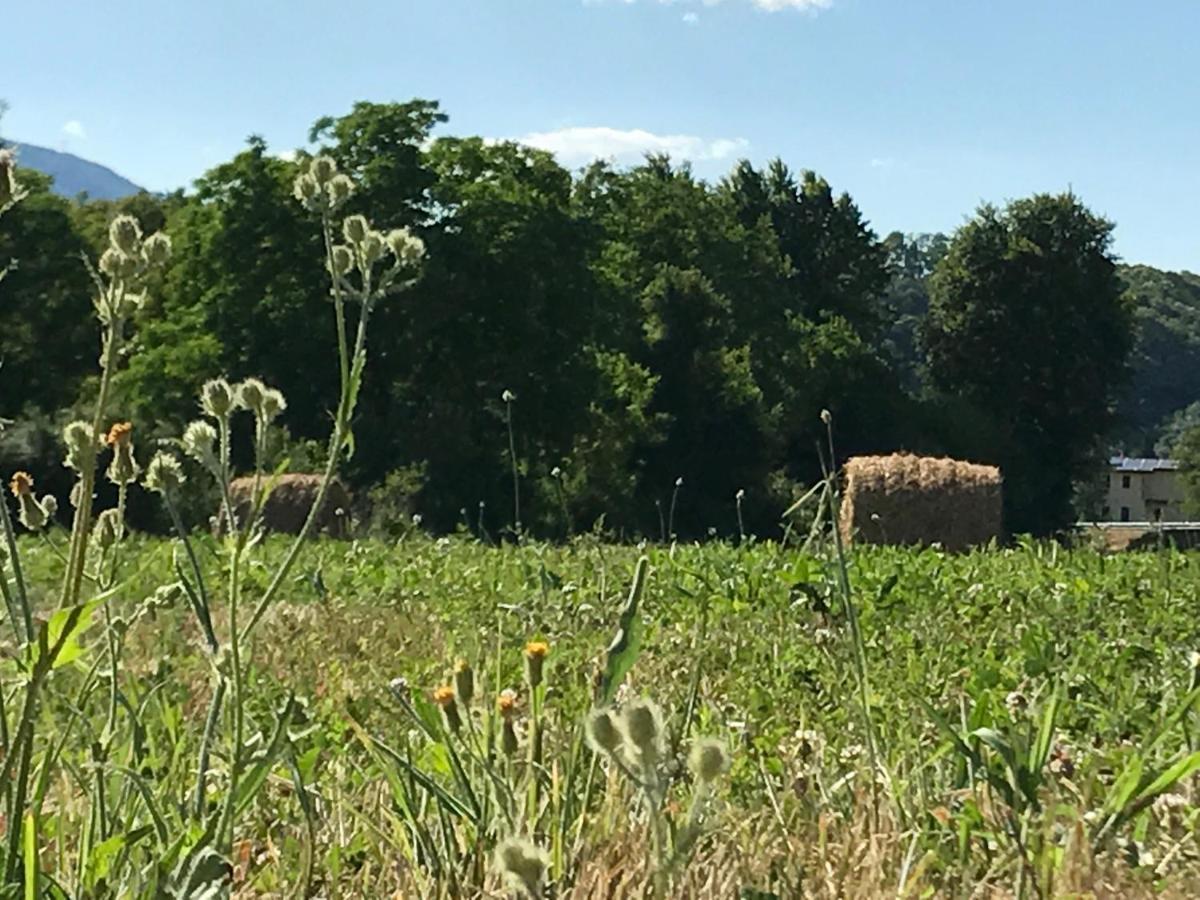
291	498
905	499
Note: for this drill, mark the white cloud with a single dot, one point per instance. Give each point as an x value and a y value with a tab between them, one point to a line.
286	155
74	129
691	18
767	5
584	144
882	162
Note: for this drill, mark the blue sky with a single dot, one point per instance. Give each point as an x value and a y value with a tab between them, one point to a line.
921	109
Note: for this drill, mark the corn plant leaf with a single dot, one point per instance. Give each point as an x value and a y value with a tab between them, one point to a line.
627	643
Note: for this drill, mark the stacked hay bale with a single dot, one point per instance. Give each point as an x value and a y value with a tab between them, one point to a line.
906	499
291	498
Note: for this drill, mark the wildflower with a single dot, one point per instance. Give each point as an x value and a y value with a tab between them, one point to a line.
355	228
373	247
250	395
217	398
708	760
33	514
556	472
80	441
1016	702
339	190
679	482
125	234
851	752
306	190
641	725
523	866
118	265
826	416
602	732
123	469
535	657
164	475
108	529
322	169
508	396
8	181
343	260
740	495
272	405
198	441
464	681
408	249
445	698
156	250
507	704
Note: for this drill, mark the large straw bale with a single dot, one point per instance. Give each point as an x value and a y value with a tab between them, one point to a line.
905	499
291	498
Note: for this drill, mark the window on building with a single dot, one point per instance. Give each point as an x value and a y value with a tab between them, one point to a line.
1124	513
1125	481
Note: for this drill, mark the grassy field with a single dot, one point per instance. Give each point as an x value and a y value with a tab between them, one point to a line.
1028	726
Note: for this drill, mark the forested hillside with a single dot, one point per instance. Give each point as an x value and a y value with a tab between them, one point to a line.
665	342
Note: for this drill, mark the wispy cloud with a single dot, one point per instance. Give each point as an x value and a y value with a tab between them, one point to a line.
882	162
584	144
690	18
811	6
74	129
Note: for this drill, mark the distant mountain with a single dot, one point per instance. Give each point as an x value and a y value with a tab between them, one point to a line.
74	176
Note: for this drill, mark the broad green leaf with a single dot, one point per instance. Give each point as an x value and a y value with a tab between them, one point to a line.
627	643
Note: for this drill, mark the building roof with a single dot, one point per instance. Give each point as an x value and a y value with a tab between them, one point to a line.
1136	464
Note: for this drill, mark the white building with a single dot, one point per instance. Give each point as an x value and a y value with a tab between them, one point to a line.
1143	490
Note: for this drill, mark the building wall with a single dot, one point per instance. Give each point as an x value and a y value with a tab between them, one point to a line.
1149	497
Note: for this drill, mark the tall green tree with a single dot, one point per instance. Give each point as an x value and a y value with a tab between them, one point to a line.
1027	320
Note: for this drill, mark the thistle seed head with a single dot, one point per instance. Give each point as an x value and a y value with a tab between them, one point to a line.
373	247
8	178
306	190
709	760
408	249
826	416
80	444
217	398
602	733
641	725
508	396
446	699
108	529
355	228
50	506
523	866
322	169
199	440
125	234
340	188
250	394
118	265
272	405
157	250
164	475
343	260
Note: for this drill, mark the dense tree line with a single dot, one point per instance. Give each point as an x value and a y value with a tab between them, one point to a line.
669	342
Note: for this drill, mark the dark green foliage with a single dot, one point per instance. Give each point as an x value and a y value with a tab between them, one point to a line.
1027	321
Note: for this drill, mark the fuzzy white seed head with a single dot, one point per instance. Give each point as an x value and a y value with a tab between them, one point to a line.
322	169
602	733
641	724
157	250
217	398
343	260
118	265
373	247
355	229
199	439
339	189
125	234
81	443
164	475
826	416
272	404
508	396
108	529
250	394
708	760
523	866
408	249
8	179
50	506
306	190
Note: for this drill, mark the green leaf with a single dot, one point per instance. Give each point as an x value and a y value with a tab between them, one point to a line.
627	643
57	644
265	760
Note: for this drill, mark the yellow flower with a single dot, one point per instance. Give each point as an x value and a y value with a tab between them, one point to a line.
507	703
443	696
119	434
